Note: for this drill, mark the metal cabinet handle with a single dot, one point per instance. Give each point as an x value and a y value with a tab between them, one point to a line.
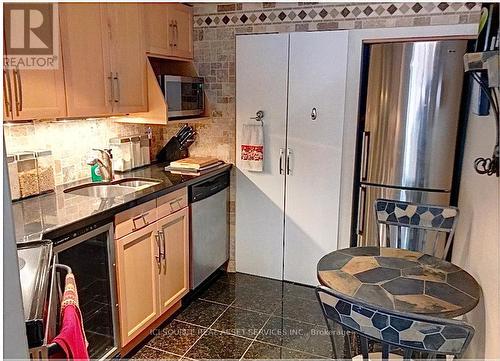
157	239
17	99
171	34
288	154
117	79
162	237
176	36
364	155
112	98
7	93
361	211
281	160
20	87
314	114
136	218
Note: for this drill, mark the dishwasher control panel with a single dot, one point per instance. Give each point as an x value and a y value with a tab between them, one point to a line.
208	187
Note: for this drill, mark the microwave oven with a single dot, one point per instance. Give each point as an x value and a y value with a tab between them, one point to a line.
184	95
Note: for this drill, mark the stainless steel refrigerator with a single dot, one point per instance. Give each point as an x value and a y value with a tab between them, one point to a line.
410	122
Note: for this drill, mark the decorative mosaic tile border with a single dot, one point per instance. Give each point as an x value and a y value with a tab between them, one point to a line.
325	12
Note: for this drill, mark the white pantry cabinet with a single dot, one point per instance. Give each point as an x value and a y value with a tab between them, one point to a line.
287	215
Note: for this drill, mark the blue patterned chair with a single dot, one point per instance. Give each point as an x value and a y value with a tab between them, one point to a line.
409	334
432	227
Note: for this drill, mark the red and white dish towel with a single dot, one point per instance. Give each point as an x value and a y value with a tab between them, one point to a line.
252	147
71	337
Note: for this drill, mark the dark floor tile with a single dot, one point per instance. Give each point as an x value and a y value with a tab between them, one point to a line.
147	353
291	289
176	337
297	335
221	292
300	309
256	282
264	351
258	299
201	313
241	322
216	345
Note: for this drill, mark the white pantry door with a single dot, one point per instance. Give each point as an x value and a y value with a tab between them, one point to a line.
261	84
318	67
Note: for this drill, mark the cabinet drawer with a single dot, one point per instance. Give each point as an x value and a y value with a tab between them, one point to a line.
172	202
135	218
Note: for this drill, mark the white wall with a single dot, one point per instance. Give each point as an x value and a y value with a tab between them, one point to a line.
477	240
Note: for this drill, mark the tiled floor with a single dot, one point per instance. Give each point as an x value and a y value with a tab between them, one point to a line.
244	317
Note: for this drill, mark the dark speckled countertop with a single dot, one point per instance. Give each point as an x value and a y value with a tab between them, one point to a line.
57	213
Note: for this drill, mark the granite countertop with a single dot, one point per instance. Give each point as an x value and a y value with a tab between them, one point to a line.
58	212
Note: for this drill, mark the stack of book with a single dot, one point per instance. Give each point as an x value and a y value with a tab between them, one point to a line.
193	165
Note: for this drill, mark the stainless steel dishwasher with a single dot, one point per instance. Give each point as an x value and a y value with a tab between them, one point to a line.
209	227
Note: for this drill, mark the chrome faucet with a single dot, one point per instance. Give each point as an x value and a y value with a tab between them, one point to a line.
104	163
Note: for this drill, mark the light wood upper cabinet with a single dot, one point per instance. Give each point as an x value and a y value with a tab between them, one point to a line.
85	59
125	29
181	18
169	30
137	280
174	274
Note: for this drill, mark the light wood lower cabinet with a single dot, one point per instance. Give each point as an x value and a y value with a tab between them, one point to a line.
174	274
137	279
152	266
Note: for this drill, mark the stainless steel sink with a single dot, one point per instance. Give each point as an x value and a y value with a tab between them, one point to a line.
114	189
101	190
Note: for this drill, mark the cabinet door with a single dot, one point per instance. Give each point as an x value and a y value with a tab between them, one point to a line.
85	60
181	18
38	94
315	122
174	276
137	279
157	29
125	28
260	195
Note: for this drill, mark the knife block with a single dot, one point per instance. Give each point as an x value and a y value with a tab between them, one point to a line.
172	151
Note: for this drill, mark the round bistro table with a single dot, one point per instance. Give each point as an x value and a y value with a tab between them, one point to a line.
401	280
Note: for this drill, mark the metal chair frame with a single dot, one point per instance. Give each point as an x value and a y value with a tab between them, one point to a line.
388	345
450	231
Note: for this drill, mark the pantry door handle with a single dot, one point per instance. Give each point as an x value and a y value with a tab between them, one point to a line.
7	92
281	160
288	154
110	77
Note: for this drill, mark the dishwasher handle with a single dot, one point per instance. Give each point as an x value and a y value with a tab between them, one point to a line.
209	187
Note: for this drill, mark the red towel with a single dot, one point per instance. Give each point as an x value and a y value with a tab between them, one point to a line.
71	337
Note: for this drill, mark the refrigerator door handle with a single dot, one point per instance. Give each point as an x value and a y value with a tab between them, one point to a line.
361	210
364	155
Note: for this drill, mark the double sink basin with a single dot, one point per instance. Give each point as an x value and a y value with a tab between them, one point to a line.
116	188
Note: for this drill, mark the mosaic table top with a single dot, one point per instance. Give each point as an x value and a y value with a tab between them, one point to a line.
401	280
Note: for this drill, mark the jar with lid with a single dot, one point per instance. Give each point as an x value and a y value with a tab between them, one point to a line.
45	167
145	158
135	142
120	148
15	192
28	174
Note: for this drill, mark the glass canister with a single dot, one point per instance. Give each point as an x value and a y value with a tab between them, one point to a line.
145	158
15	192
45	166
28	174
135	142
122	158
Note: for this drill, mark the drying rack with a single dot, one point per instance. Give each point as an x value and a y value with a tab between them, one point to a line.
44	351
